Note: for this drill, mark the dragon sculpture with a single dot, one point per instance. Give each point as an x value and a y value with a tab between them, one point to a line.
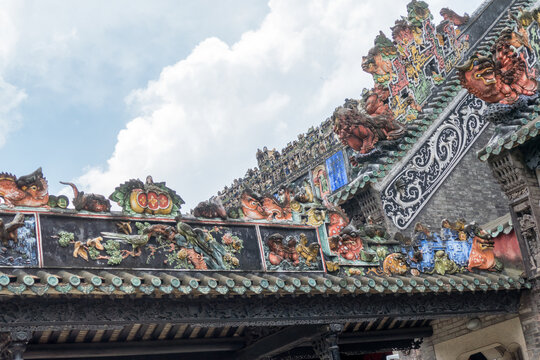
378	61
29	190
482	254
500	79
503	78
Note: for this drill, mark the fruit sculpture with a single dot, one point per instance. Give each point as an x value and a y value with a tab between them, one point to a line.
136	197
150	202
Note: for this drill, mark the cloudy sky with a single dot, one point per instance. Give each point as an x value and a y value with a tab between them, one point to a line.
98	92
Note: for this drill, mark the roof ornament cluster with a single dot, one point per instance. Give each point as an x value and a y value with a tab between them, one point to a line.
404	70
379	127
361	249
133	196
505	76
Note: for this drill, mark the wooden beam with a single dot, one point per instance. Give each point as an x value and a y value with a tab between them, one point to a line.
364	343
281	341
385	335
135	348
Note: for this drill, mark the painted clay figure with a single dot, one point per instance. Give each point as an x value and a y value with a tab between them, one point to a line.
394	264
361	131
210	209
338	220
443	265
450	15
88	202
502	77
482	256
282	249
30	190
267	207
136	197
9	231
308	252
347	244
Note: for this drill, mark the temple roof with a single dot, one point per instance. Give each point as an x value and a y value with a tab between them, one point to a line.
286	257
502	225
518	137
292	242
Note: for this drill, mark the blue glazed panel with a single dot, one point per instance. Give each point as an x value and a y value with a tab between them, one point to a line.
337	173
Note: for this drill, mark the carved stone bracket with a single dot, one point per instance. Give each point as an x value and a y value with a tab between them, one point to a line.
13	343
326	346
527	234
509	170
520	185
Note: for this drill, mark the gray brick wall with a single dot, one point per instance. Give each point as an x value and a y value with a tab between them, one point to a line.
530	321
446	329
470	191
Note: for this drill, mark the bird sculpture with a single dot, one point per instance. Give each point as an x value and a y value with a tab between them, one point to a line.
136	241
193	237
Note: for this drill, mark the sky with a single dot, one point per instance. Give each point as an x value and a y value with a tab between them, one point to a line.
98	92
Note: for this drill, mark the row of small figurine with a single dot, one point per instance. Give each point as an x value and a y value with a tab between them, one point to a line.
133	196
154	198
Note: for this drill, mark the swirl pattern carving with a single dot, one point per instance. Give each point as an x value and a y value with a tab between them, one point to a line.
424	172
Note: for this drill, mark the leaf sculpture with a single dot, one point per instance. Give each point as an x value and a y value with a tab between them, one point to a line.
95	242
80	250
65	238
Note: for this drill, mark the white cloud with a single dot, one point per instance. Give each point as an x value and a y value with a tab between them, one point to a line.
198	126
10	96
10	99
